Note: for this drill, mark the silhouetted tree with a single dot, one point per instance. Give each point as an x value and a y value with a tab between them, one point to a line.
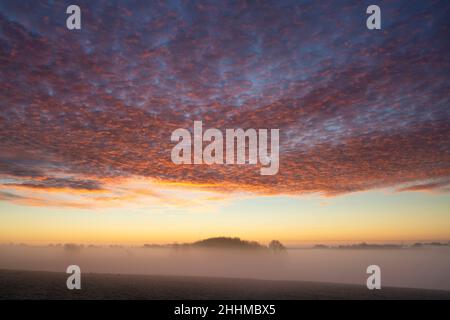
276	245
227	243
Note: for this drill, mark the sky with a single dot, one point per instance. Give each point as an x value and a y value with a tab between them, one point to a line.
86	118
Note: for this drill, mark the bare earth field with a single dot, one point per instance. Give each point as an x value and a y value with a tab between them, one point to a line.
52	285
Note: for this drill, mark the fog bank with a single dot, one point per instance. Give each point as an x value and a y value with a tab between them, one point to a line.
413	267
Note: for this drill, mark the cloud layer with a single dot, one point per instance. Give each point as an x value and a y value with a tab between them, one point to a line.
356	109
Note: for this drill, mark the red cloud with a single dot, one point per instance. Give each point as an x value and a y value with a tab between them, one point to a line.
354	113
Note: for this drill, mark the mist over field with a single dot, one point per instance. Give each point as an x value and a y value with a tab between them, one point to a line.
426	267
